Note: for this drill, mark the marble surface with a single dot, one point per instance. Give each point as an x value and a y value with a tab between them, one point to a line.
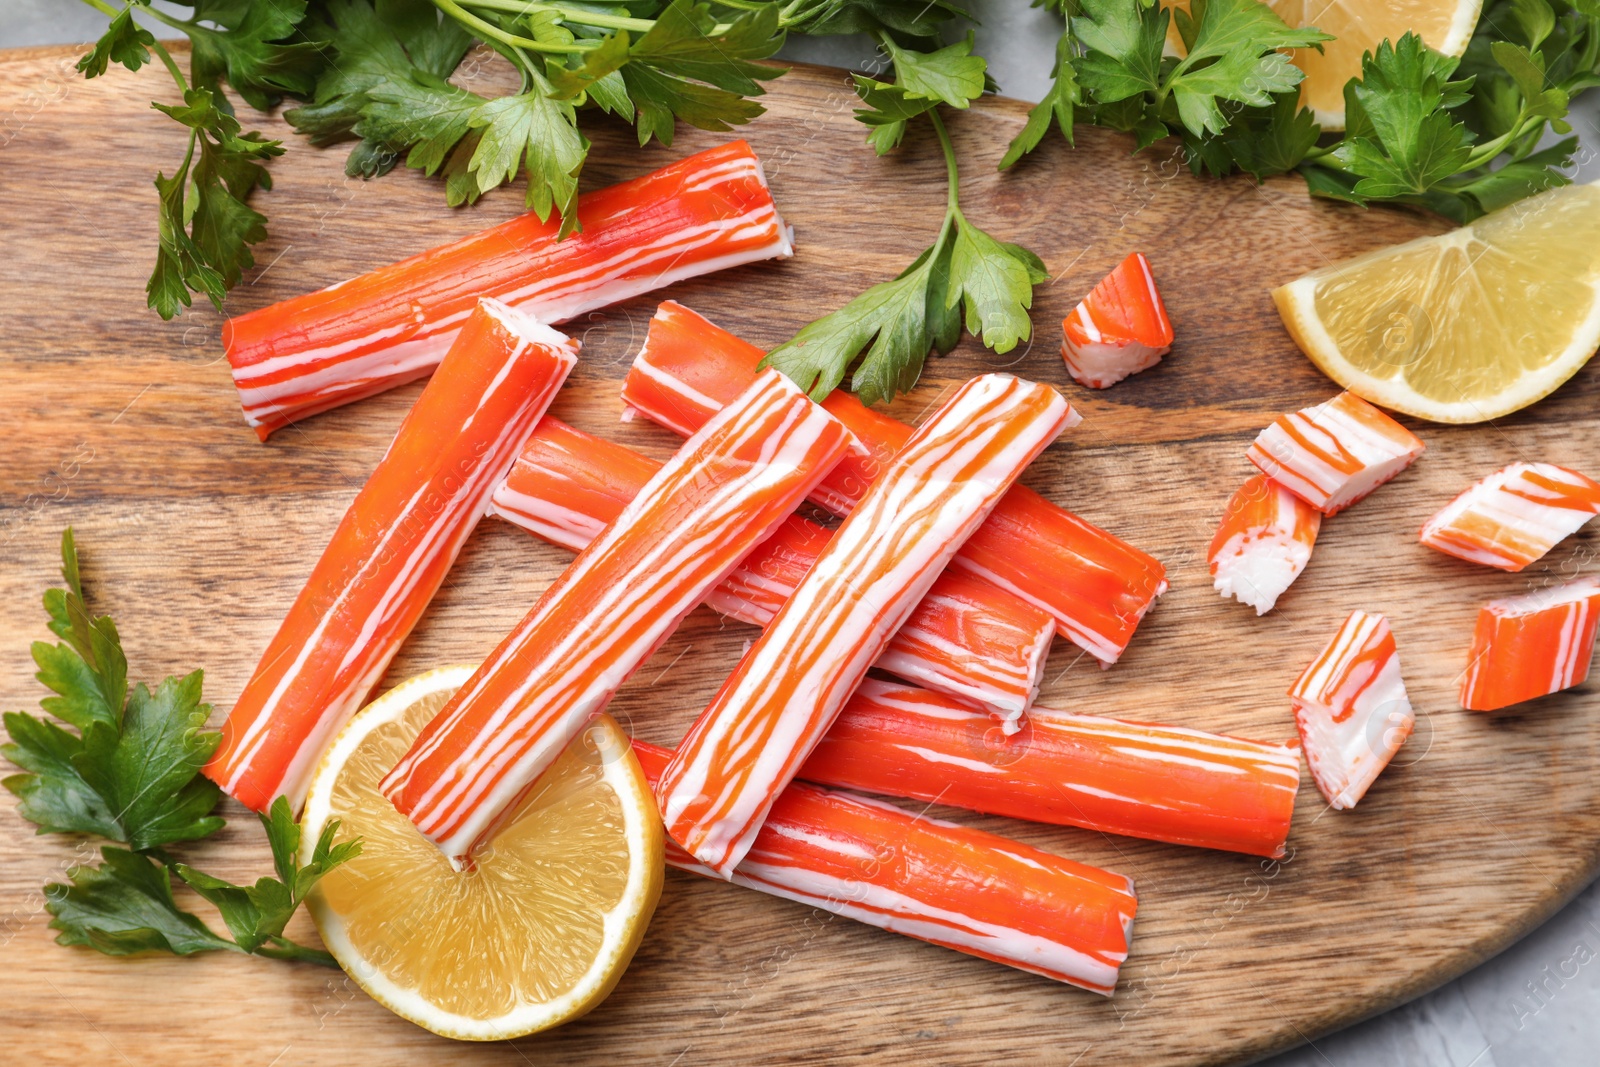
1535	1005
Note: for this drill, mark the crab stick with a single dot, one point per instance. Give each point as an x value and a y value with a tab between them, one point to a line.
1531	645
1262	544
390	552
1095	586
1333	454
1119	329
717	498
1164	783
1514	516
784	694
1351	708
966	638
359	337
964	889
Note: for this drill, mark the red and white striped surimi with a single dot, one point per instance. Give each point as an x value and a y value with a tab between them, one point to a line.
1119	329
784	694
1529	646
1514	516
968	890
1263	543
1164	783
717	498
966	638
392	325
1332	454
391	552
1351	707
1095	586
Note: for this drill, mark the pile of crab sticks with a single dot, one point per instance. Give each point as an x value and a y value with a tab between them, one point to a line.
942	576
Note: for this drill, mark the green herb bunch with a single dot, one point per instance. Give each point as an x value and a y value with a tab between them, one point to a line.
123	764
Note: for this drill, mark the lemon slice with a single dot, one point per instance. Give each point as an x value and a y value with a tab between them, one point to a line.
1359	26
543	926
1466	326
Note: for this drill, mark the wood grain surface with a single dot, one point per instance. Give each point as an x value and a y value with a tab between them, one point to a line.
196	537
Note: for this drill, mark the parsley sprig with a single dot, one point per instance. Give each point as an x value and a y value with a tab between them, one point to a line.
128	771
965	273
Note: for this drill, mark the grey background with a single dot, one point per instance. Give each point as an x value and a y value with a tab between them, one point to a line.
1535	1005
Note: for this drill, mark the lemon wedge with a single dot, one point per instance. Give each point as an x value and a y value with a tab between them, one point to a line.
538	932
1466	326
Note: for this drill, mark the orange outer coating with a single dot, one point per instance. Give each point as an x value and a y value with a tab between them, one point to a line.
784	694
390	552
1532	645
720	496
391	325
966	638
1094	585
1164	783
1333	454
968	890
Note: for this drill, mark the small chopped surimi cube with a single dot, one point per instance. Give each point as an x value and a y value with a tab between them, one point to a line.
1531	645
1263	543
1351	708
1514	516
1119	329
1332	454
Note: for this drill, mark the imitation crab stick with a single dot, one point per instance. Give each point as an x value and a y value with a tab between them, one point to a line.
1164	783
966	638
390	552
1531	645
1095	586
718	497
1514	516
360	337
1263	543
1333	454
965	889
1351	707
784	694
1119	329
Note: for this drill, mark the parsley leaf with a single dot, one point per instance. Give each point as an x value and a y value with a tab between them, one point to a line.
531	130
125	42
125	905
1057	106
131	774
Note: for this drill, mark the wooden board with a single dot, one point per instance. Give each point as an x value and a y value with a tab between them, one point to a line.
197	537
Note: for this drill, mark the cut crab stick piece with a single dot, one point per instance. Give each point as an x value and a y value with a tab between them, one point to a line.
1333	454
1532	645
391	552
1163	783
1095	586
964	889
392	325
1514	516
1351	708
784	694
966	637
722	494
1119	329
1262	544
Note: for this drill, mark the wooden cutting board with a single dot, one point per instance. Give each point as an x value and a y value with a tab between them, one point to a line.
197	537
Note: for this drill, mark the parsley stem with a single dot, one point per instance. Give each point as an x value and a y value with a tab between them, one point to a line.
953	196
484	28
567	14
159	49
281	948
